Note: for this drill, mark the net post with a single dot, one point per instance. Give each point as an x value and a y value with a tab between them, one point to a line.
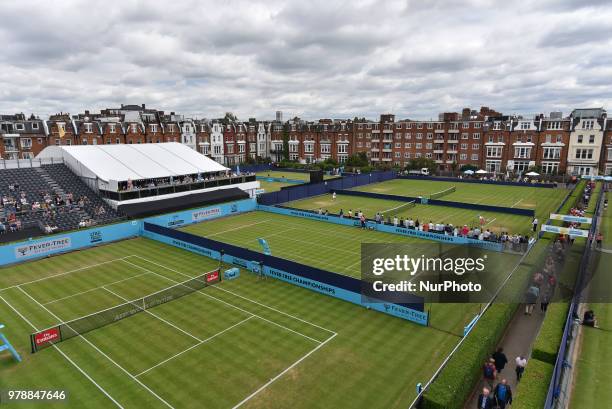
32	343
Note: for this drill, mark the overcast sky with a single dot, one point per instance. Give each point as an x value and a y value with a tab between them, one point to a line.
312	59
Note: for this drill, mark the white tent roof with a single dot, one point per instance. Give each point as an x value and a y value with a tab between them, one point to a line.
133	161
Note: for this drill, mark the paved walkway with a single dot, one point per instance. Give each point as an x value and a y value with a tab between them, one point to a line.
517	341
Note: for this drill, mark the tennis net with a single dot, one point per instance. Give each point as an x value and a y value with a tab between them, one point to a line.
444	192
400	208
79	326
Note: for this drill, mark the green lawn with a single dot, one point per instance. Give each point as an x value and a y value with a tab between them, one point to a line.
496	222
543	200
272	343
275	186
594	364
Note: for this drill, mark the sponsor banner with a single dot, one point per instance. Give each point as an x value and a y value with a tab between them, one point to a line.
571	219
41	248
597	177
282	180
231	274
213	277
565	230
206	214
46	336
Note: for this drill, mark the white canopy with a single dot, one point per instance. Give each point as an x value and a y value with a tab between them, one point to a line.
132	161
532	174
481	171
469	172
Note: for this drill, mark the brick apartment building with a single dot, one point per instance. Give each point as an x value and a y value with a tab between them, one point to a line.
580	143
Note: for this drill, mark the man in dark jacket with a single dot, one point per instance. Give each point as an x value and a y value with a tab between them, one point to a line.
485	401
502	394
500	359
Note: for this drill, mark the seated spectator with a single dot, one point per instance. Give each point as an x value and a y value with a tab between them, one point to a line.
590	319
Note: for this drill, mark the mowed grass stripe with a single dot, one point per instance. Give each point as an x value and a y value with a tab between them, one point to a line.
396	354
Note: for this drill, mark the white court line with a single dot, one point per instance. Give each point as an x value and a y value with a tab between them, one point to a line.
491	221
91	289
233	306
517	203
264	386
193	346
61	274
156	316
240	296
99	350
66	357
238	228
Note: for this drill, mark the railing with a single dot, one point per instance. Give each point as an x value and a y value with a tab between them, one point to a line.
562	372
174	188
28	163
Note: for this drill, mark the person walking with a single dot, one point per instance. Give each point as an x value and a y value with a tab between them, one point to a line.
534	224
502	395
485	400
500	359
521	363
531	298
489	373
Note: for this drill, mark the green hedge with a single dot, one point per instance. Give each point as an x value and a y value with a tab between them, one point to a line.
532	390
456	382
546	345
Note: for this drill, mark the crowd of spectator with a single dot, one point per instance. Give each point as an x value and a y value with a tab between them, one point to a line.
131	185
14	206
513	241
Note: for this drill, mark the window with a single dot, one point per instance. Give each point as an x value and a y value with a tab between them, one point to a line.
134	128
325	148
494	151
34	125
465	135
464	146
463	156
429	125
170	127
609	155
428	146
118	141
408	135
342	148
523	152
398	155
466	125
420	126
476	135
419	145
418	155
584	153
477	125
550	167
19	127
398	136
429	135
474	156
398	145
591	138
552	153
84	142
407	155
497	126
408	145
475	146
524	125
428	155
112	128
419	136
26	143
587	124
398	126
580	138
88	128
153	128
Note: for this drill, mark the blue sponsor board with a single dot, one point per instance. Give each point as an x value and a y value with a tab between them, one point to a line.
61	243
488	245
321	281
231	274
571	219
182	218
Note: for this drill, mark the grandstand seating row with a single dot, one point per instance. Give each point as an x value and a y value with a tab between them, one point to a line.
55	180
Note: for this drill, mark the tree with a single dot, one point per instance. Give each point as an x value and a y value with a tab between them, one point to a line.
419	163
468	167
357	160
229	117
454	167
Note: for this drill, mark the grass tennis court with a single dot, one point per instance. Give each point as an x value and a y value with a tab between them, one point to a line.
594	362
275	186
496	222
543	200
259	344
333	248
